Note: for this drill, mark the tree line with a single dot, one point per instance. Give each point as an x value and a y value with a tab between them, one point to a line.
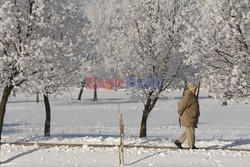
47	46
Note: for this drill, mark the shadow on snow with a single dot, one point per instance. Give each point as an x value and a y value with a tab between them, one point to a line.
18	156
236	143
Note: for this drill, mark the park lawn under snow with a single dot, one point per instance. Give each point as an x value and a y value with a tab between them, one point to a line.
87	122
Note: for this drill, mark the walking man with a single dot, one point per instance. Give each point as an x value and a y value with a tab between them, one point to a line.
189	112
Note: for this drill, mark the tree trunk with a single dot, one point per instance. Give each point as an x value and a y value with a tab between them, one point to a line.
14	93
95	94
5	97
147	109
209	94
82	86
37	97
80	94
185	87
143	131
224	102
198	89
48	116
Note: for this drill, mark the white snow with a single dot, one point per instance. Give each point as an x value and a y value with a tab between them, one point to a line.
86	122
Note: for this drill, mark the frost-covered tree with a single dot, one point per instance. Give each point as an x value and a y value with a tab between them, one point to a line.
145	38
218	38
63	56
20	41
99	13
42	47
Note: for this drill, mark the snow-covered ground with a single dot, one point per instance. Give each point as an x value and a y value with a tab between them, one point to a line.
86	122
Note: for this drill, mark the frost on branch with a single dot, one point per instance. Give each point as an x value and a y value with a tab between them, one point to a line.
218	39
145	39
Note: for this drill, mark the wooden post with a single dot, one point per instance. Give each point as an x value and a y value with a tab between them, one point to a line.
121	148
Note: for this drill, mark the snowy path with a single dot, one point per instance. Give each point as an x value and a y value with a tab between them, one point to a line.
21	156
51	145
